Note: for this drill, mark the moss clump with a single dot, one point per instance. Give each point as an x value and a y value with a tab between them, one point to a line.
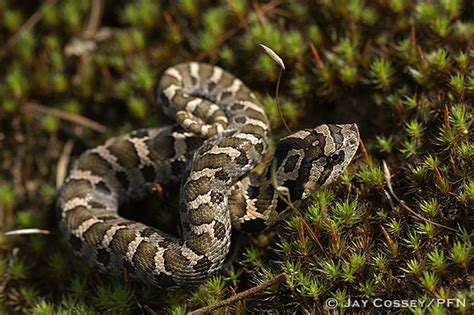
402	70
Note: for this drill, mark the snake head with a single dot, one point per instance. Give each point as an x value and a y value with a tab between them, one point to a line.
312	158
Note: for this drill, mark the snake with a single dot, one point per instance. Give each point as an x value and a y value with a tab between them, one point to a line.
213	152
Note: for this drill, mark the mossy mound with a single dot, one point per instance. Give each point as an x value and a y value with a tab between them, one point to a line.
402	70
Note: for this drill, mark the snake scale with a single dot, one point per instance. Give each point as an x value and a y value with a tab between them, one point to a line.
221	135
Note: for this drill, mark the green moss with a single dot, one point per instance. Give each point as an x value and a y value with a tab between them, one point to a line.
72	13
43	308
402	70
16	81
143	76
300	85
12	20
372	176
430	207
346	213
18	270
382	72
142	13
114	298
50	124
211	292
7	196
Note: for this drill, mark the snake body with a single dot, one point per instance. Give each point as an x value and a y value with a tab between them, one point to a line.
221	135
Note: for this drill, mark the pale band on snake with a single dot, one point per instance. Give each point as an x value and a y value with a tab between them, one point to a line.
221	135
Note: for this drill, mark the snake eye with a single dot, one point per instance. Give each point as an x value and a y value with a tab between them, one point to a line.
336	158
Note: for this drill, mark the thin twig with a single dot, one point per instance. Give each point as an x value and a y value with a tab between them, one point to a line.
258	11
63	163
284	194
421	54
387	175
413	36
277	96
29	24
148	309
386	236
282	277
94	19
27	231
446	116
365	154
71	117
282	12
316	56
313	236
333	230
280	62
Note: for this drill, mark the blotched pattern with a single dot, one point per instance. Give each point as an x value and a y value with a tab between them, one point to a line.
222	134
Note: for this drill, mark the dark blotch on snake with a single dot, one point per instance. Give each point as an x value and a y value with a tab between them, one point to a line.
103	256
96	205
254	191
148	232
148	173
219	229
240	120
221	175
107	217
101	186
216	198
237	106
128	266
177	167
225	95
254	225
211	85
290	163
242	160
75	242
140	133
164	280
123	179
125	153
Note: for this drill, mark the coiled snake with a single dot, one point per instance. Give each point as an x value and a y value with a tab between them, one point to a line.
221	134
